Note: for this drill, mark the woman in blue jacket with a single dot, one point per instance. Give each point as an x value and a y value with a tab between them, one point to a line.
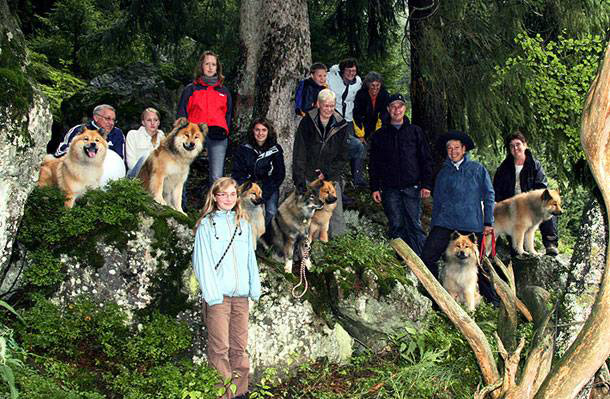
261	160
226	268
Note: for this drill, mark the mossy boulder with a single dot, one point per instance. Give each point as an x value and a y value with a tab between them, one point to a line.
117	246
25	127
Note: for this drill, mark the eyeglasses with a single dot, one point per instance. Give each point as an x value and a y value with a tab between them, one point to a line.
107	118
515	145
226	195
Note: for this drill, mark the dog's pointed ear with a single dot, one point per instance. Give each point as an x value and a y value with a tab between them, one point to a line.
454	235
316	184
181	123
246	186
204	128
546	195
103	133
472	237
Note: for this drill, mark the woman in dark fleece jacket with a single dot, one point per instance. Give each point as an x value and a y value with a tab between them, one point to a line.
370	104
261	160
520	162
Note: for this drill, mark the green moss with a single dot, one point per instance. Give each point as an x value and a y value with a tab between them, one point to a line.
15	102
49	230
84	350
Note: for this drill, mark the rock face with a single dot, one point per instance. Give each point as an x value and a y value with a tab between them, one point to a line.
25	128
19	171
587	267
575	283
130	90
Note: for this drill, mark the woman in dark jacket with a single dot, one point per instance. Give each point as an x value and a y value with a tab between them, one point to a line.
261	160
520	162
370	103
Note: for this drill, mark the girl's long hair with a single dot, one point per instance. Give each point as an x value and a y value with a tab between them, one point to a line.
210	206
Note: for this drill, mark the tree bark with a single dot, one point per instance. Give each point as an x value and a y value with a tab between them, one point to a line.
276	53
592	346
429	107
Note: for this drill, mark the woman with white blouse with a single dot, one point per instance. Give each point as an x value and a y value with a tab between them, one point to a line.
141	142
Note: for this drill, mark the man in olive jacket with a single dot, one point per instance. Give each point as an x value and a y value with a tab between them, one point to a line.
320	151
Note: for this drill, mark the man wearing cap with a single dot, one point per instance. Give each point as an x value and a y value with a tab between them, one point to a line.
400	172
461	186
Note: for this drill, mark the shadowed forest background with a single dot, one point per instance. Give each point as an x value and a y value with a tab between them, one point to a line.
484	67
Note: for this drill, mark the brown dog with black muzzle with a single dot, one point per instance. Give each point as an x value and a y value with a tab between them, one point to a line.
321	218
166	168
251	199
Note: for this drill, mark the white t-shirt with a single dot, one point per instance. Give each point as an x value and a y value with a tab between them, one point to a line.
518	169
138	144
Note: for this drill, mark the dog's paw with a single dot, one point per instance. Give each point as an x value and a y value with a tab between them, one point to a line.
288	266
161	201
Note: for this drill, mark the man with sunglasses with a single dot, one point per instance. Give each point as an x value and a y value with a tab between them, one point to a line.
104	117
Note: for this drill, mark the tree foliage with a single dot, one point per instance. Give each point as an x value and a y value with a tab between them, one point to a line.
546	84
459	46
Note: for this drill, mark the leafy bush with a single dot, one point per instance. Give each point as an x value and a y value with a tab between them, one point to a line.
433	362
89	351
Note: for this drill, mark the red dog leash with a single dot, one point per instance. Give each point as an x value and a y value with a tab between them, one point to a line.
493	246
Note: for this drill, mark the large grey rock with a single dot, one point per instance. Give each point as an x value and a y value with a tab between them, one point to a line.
587	268
20	158
127	275
25	127
371	318
284	331
130	90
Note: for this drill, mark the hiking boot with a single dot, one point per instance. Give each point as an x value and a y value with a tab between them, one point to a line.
551	250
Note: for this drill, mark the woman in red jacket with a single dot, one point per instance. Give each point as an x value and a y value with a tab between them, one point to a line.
207	101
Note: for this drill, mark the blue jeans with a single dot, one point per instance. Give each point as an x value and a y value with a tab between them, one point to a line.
403	209
271	207
217	149
133	172
355	148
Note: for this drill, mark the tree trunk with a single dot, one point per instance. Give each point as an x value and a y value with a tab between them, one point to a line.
428	105
276	53
592	346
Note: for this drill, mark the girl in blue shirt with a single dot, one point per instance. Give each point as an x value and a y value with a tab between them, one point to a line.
225	266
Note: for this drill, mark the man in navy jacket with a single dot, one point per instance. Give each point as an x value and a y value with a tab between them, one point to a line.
104	117
400	172
461	187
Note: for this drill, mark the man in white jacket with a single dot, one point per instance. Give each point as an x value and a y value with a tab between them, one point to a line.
344	81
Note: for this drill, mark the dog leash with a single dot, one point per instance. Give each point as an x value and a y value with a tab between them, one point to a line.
302	274
493	246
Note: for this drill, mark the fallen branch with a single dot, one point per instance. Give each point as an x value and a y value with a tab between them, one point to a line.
475	337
